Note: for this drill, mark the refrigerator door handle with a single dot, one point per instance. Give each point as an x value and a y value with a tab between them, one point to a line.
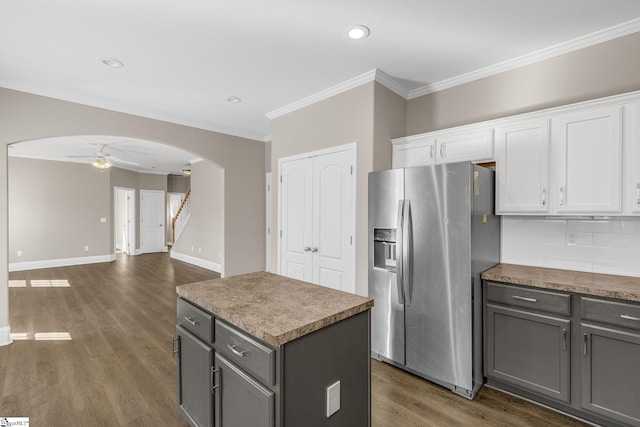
400	252
407	253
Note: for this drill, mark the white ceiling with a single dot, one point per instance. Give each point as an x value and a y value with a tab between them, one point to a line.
183	59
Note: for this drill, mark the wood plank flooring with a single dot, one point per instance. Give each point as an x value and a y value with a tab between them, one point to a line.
118	369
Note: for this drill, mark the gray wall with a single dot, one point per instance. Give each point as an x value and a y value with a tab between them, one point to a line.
601	70
203	235
24	117
342	119
55	210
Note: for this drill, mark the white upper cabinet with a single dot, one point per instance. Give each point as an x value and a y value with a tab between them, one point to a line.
587	149
522	167
467	144
632	158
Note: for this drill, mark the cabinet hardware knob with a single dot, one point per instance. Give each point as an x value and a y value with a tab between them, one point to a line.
638	194
544	197
585	338
307	249
627	317
518	297
314	249
442	150
191	320
214	386
562	195
564	339
234	349
431	154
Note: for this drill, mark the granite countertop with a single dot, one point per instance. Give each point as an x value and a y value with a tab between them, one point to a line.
603	285
274	308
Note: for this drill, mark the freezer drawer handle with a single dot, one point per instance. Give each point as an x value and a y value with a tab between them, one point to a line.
627	317
518	297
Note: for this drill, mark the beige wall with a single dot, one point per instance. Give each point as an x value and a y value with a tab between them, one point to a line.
55	210
342	119
24	117
203	236
605	69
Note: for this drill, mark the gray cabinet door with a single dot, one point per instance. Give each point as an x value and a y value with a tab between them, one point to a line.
529	350
240	400
195	360
611	373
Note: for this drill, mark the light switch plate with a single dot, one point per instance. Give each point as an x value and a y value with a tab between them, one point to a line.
333	398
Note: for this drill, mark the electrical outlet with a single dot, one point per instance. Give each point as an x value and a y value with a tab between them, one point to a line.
86	248
571	239
19	253
333	398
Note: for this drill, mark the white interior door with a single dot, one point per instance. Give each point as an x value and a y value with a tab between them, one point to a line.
295	219
124	223
317	218
152	221
333	263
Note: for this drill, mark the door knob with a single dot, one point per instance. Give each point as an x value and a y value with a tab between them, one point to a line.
314	249
307	248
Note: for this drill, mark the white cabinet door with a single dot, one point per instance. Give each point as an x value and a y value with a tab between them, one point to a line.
465	146
522	167
632	157
296	204
333	263
317	213
413	152
588	147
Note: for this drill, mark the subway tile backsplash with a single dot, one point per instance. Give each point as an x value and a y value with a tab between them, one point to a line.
609	246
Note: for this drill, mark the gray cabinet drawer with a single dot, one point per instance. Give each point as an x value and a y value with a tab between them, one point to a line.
246	352
534	299
195	320
614	313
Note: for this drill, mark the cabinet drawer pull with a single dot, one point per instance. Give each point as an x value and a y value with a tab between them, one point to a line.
638	194
544	197
518	297
191	320
214	386
627	317
585	338
564	339
562	195
175	348
442	152
234	349
431	157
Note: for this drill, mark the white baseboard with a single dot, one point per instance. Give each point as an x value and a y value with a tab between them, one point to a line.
51	263
5	336
209	265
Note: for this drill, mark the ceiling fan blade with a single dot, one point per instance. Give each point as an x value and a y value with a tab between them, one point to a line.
126	162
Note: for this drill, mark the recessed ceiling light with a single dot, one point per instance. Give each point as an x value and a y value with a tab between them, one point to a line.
112	62
234	99
358	32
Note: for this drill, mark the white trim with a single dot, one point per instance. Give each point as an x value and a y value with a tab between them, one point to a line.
5	336
321	152
367	77
392	84
209	265
578	43
63	262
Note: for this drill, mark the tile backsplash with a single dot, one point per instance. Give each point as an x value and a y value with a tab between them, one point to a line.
609	245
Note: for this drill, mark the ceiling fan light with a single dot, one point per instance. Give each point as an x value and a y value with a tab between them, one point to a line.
101	163
186	171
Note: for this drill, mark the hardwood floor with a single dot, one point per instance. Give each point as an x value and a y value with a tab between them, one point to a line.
117	368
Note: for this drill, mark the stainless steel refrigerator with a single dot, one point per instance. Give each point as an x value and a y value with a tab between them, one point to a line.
432	231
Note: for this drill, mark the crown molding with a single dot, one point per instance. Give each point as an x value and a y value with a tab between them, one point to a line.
592	39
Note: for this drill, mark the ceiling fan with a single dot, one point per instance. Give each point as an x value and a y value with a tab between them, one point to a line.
104	160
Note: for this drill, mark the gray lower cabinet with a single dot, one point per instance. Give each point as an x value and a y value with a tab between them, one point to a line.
610	363
529	350
241	400
194	385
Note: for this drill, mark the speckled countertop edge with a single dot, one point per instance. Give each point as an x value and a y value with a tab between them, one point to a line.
596	284
273	308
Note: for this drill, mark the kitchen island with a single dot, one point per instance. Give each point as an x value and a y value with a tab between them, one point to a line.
265	350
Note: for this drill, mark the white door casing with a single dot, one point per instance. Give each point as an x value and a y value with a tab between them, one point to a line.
152	218
267	239
317	217
124	219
